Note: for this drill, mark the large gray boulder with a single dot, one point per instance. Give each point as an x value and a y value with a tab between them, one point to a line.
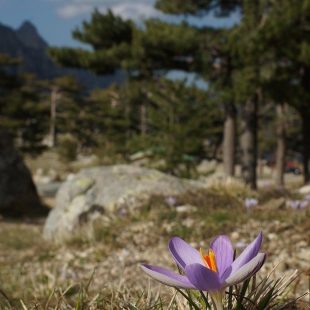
18	194
95	191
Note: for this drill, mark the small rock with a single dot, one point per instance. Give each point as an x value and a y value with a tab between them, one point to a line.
189	223
272	236
302	244
272	246
186	209
70	177
304	190
235	235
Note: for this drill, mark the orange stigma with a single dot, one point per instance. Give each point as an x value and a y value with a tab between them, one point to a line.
209	260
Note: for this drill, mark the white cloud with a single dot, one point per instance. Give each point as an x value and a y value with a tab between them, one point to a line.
72	10
136	10
125	8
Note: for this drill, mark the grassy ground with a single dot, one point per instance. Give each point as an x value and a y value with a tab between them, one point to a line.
58	275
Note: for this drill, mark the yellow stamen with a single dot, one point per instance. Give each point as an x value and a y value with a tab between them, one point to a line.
203	259
209	260
212	259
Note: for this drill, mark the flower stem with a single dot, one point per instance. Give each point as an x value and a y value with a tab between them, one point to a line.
217	299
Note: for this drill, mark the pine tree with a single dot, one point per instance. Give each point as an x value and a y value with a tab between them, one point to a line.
111	39
117	121
148	54
74	114
196	7
180	120
285	33
217	66
22	111
269	53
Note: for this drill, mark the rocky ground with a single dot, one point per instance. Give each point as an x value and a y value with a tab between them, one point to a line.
31	267
115	255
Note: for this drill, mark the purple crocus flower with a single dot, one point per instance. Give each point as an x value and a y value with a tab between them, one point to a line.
123	212
250	203
307	197
298	205
212	272
171	200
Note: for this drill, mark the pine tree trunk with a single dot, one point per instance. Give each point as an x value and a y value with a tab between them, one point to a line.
281	145
54	99
229	140
306	145
143	113
248	142
305	114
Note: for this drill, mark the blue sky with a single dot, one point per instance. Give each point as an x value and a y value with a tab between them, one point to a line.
55	19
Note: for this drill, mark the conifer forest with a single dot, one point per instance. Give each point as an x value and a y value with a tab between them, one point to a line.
254	105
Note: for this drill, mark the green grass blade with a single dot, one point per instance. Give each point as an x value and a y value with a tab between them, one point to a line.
230	297
138	301
242	294
205	300
230	293
265	301
91	278
77	306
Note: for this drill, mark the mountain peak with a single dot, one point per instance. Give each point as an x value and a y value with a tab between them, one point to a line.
27	44
28	26
28	35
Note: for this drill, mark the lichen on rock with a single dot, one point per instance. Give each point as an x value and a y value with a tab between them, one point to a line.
110	187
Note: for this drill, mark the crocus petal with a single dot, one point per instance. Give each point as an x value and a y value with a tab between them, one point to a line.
250	203
246	271
303	204
183	253
203	278
167	277
248	254
294	204
224	253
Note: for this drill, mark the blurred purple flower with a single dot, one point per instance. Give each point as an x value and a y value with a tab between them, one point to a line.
171	200
250	203
307	197
122	212
298	204
212	272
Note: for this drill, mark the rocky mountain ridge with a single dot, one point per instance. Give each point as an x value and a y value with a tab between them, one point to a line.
27	44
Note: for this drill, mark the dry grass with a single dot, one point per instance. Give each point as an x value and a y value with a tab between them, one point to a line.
98	266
